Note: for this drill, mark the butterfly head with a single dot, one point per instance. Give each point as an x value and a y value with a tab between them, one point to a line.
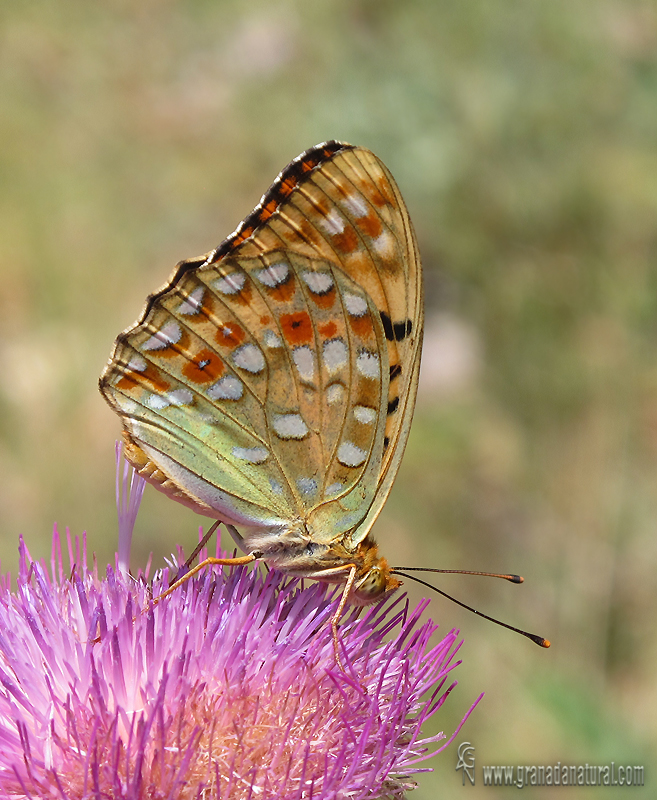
374	580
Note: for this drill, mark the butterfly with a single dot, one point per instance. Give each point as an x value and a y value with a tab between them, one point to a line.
270	383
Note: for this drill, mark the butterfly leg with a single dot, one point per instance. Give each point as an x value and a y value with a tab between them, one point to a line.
335	619
239	541
197	550
231	562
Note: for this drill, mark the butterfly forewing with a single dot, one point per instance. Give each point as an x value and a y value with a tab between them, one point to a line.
273	381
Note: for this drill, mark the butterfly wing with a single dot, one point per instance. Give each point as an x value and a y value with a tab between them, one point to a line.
272	381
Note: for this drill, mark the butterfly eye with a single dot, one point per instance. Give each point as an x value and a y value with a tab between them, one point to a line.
370	587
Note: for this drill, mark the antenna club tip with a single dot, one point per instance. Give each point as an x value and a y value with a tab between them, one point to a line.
545	643
516	579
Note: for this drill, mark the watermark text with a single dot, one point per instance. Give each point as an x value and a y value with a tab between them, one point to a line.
563	775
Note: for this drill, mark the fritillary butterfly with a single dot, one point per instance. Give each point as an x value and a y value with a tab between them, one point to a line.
270	383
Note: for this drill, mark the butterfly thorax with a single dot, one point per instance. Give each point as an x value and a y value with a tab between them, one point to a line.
332	563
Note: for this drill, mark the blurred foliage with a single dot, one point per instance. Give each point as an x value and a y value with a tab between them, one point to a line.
522	135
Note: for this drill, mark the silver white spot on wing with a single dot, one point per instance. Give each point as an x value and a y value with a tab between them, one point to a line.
230	284
180	397
304	361
318	282
364	414
368	364
271	339
274	274
127	404
137	363
157	402
307	485
227	388
289	426
249	357
169	333
193	303
350	455
355	304
332	222
334	393
275	486
254	455
356	205
384	244
334	353
333	489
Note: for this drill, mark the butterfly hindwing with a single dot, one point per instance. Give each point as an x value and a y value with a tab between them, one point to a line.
274	379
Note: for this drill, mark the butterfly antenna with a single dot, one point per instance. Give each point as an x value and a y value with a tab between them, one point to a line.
512	578
539	640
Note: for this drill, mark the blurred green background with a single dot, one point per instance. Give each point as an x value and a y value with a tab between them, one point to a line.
523	137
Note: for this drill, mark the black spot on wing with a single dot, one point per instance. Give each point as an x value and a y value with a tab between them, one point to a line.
395	331
392	405
395	371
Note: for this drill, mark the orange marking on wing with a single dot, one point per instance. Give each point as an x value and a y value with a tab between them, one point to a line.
208	305
297	328
265	320
283	292
308	230
269	209
230	335
371	225
127	381
312	160
204	368
329	330
361	326
151	374
288	186
244	234
289	235
373	193
324	300
386	191
347	241
243	297
319	203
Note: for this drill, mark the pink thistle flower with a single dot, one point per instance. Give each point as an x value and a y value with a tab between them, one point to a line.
226	689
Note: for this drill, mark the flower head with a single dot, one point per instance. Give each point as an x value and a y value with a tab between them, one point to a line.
226	689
